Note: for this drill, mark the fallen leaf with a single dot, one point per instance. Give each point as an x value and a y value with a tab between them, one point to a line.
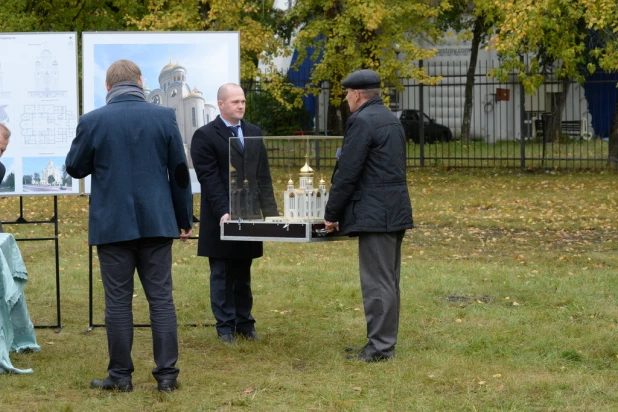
248	390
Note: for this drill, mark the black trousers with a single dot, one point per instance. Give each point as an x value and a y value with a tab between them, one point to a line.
231	299
152	257
379	256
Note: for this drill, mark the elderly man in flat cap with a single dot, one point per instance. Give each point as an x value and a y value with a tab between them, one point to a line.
369	199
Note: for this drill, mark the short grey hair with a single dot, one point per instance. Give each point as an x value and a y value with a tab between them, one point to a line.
369	93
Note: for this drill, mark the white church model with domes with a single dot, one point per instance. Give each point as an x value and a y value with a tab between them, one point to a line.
305	203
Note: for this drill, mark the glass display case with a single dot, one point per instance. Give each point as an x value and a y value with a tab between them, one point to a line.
278	188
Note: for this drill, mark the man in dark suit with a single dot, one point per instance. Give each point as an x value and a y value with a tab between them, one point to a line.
140	201
369	198
230	261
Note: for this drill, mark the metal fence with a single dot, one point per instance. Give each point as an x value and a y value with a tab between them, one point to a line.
508	128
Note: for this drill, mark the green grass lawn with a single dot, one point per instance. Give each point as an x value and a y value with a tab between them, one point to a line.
509	303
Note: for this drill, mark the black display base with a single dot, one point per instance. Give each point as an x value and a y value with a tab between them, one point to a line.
251	230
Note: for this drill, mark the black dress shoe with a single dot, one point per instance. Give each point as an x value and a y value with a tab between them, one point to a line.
227	338
355	348
251	335
366	357
110	384
168	385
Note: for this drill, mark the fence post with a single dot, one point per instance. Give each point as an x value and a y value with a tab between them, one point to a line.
522	124
421	123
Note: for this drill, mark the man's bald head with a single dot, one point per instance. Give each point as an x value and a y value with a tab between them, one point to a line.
5	133
231	101
226	89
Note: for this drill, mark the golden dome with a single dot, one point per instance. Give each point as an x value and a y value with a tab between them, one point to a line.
168	66
322	182
290	182
306	168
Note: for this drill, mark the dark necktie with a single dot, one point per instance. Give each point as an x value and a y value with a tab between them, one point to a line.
234	130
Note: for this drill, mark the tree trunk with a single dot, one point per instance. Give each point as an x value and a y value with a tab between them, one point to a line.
337	116
552	122
555	118
613	138
479	24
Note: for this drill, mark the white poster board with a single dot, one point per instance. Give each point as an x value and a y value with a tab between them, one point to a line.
182	70
39	105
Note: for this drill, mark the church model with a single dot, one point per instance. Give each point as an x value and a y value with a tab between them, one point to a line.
304	203
301	201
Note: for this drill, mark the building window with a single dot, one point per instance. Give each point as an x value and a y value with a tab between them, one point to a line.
193	119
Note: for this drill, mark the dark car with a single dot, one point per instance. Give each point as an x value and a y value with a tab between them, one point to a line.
434	132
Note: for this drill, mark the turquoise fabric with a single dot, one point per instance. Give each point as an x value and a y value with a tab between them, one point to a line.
16	329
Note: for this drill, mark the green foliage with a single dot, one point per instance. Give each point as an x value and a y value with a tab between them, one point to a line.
275	118
9	182
65	15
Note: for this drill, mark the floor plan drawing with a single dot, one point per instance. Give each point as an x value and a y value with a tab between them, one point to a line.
47	124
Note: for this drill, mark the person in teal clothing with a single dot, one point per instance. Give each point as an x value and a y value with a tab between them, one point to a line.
16	329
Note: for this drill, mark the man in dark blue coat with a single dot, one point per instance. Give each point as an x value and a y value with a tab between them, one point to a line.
212	151
369	198
140	201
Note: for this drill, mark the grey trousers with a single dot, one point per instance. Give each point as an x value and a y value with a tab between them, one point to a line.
379	256
152	257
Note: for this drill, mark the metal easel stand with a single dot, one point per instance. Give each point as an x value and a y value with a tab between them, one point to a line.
21	220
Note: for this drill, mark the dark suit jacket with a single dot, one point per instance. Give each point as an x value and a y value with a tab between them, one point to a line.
210	154
140	178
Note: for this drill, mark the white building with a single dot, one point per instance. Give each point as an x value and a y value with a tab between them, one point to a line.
496	108
51	170
192	110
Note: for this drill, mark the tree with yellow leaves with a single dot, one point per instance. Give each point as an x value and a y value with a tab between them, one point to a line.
347	35
534	35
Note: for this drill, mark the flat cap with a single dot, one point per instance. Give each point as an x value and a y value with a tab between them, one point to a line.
362	79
